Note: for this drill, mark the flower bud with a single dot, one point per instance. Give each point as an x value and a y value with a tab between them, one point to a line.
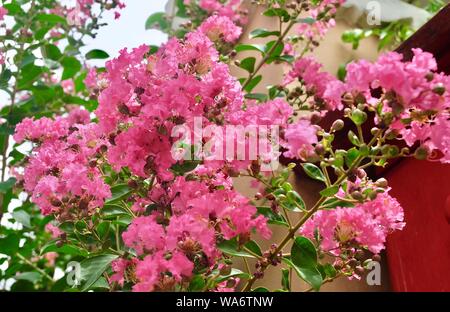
382	182
439	89
337	125
421	153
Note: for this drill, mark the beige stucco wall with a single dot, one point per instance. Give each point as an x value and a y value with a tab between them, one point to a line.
332	53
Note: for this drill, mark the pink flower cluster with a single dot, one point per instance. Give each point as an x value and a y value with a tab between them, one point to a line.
147	96
367	224
202	213
61	174
222	28
413	92
317	82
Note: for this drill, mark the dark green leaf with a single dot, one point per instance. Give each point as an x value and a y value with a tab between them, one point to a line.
71	67
272	217
52	52
262	33
330	191
254	247
253	83
96	54
303	253
285	279
310	275
119	192
260	97
7	185
157	20
51	18
313	172
248	64
185	167
67	248
250	47
231	247
9	244
197	283
93	268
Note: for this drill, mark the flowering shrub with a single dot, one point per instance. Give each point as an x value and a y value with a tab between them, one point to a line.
147	204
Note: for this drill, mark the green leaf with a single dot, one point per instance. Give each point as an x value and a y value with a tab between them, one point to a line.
28	75
14	9
310	275
29	276
330	191
254	247
303	253
96	54
335	202
260	289
250	47
230	247
52	52
197	283
5	76
342	72
234	273
262	33
272	217
119	192
71	67
51	18
93	268
285	279
68	249
276	52
9	245
313	172
253	83
112	211
296	198
185	167
157	20
278	12
7	185
248	64
22	217
351	156
260	97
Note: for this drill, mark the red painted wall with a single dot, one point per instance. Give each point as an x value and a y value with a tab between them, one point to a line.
419	256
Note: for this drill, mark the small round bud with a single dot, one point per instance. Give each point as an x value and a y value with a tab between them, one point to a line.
337	125
439	89
421	153
382	182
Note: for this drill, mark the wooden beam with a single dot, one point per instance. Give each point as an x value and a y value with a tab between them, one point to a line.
433	37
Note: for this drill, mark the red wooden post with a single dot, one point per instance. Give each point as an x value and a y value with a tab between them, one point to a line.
419	256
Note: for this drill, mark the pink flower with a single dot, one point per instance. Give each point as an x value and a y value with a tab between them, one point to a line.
220	28
144	234
308	71
300	139
368	223
53	230
3	12
68	86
